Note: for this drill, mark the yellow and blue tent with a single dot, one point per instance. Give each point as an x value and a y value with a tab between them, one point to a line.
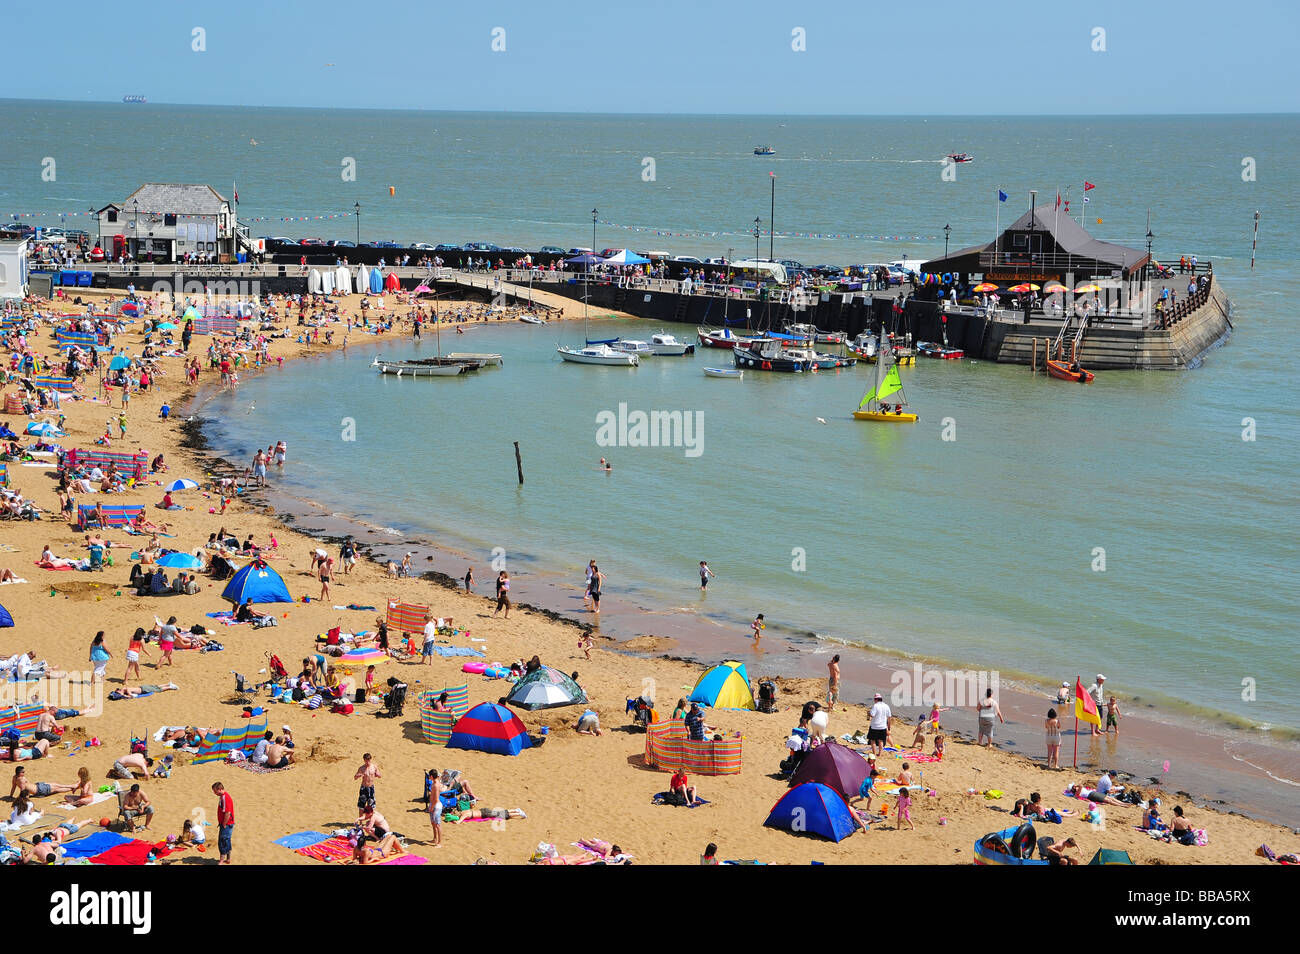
725	686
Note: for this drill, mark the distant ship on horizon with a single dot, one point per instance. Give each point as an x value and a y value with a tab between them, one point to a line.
134	99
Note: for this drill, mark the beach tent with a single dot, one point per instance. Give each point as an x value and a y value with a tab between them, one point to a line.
313	281
1111	856
626	257
489	727
327	281
179	560
586	258
376	281
257	582
5	618
392	282
813	808
724	687
343	280
191	314
545	688
836	766
363	279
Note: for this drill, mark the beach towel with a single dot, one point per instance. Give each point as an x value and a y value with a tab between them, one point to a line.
131	852
663	798
250	766
405	859
94	844
457	651
331	849
300	839
920	757
100	796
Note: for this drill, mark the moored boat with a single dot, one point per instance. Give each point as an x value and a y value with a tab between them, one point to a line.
598	354
667	344
734	374
764	151
722	338
1069	371
629	346
765	355
424	368
482	360
932	349
532	320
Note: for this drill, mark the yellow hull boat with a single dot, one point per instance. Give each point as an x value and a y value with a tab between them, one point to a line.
879	416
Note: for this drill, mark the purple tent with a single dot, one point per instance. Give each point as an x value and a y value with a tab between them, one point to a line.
836	766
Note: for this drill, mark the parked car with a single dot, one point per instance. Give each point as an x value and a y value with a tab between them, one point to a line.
444	247
423	246
480	247
342	243
687	259
514	250
312	241
550	250
790	263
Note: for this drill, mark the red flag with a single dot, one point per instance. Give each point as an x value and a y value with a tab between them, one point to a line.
1088	185
1085	709
1058	198
1067	206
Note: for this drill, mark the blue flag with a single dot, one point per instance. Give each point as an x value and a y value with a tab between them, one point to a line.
1002	196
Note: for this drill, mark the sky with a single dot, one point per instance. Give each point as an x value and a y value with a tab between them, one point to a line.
770	57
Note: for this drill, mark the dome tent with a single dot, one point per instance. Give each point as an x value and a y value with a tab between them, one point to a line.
813	808
257	582
545	688
724	687
836	766
5	618
489	727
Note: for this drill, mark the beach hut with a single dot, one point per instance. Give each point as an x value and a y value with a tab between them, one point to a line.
257	582
545	688
724	687
489	727
813	808
836	766
327	281
343	280
6	619
1111	856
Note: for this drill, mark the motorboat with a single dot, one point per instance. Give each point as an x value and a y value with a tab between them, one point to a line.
863	347
960	157
811	333
734	374
932	349
764	151
820	360
1069	371
629	346
476	358
722	338
598	354
766	355
532	320
663	343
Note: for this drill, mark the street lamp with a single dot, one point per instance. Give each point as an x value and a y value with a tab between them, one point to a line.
135	225
1150	236
586	299
946	230
756	221
356	207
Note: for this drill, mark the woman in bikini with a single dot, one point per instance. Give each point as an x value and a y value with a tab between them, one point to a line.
83	793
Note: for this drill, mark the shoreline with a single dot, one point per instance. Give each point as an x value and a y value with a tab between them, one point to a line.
606	782
1252	775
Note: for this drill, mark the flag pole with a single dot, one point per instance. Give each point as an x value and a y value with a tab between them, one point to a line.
997	224
1077	683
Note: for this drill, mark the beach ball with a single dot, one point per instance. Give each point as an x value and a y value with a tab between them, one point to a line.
105	822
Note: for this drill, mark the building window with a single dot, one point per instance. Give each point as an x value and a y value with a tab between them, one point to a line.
112	215
169	219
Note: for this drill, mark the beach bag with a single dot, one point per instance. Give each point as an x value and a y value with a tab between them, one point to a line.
1053	815
360	695
298	694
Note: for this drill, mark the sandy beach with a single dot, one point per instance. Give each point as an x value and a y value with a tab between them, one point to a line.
573	787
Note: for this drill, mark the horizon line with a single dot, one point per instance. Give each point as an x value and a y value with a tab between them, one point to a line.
550	112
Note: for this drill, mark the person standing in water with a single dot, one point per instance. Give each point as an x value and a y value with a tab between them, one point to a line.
833	683
469	580
586	596
757	628
705	573
597	582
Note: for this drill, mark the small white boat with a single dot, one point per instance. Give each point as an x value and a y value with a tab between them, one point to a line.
733	373
633	346
532	320
414	369
668	344
598	354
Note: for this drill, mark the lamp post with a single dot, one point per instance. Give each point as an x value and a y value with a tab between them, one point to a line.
1150	237
756	221
771	222
356	208
135	226
586	299
946	230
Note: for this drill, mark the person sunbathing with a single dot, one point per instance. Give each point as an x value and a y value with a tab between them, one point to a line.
96	540
494	814
47	846
191	641
48	559
142	524
134	692
457	784
38	750
1028	807
82	486
24	786
1092	795
364	854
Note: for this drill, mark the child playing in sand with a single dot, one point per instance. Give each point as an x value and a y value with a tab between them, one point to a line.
867	789
585	645
918	740
938	746
903	810
757	628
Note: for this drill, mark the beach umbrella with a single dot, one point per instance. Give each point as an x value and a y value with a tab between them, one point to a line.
1084	289
119	362
545	688
423	290
369	656
130	309
985	287
165	326
44	429
182	483
1022	288
179	560
1053	287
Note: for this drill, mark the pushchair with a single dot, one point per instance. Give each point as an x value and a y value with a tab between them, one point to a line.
641	710
767	696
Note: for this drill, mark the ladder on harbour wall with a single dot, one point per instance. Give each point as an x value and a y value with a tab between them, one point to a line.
679	314
620	296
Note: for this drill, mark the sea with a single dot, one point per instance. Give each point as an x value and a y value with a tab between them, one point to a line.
1143	526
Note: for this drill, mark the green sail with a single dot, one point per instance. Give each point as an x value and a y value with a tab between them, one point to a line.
891	384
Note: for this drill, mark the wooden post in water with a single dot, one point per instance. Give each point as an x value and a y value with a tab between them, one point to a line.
519	464
1033	362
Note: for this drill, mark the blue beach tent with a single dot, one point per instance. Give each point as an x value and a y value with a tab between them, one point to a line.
5	618
489	727
257	582
376	281
812	807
